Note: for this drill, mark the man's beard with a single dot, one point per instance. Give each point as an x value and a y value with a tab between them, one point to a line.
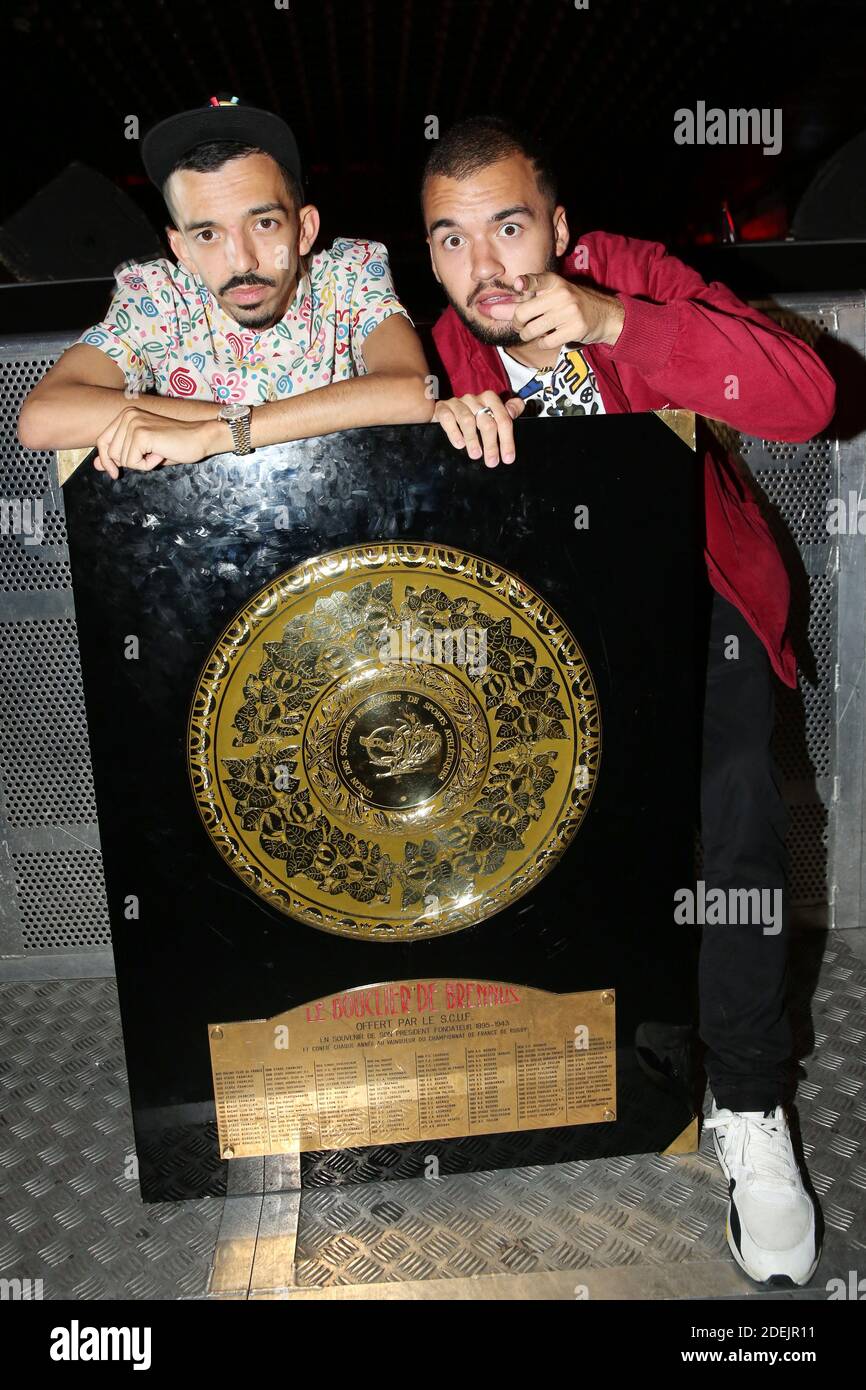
502	334
263	321
254	318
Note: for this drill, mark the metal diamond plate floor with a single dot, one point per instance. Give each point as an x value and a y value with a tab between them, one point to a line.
642	1227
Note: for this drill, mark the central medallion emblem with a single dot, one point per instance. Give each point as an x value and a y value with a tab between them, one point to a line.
396	748
404	761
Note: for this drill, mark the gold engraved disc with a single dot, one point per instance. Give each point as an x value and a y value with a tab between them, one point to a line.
394	741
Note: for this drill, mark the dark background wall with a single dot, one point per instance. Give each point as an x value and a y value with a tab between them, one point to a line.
357	79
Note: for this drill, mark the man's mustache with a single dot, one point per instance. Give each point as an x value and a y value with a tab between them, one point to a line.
485	289
246	282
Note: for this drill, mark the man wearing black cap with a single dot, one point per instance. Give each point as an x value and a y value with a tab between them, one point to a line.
233	342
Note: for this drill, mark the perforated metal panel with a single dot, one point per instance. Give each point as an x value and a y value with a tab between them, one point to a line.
42	566
804	730
22	472
43	741
798	482
51	880
808	840
820	728
50	869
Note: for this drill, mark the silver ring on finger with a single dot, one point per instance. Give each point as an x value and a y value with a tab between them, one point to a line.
485	410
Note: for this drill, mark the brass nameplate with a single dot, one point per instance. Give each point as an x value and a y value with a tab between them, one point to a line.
418	1059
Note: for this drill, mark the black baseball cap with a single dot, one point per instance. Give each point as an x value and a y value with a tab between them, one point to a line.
223	118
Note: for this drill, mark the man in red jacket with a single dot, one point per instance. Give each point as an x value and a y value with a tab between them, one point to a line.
603	325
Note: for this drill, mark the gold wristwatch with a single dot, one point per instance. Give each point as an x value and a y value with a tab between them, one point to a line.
238	418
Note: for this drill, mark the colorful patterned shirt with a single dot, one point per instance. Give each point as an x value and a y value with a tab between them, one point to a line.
168	334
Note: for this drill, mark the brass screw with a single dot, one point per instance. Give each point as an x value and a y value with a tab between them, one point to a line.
608	1115
216	1034
607	996
228	1151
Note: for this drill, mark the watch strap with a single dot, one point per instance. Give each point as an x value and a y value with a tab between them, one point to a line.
241	434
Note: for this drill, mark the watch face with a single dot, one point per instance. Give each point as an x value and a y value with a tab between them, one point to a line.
234	412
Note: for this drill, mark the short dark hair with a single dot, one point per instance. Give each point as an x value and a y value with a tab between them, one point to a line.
207	158
477	141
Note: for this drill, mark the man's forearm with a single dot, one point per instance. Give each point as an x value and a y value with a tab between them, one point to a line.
380	398
72	416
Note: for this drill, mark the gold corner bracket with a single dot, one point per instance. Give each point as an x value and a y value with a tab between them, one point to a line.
682	422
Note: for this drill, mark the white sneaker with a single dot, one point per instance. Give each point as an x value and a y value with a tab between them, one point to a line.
771	1217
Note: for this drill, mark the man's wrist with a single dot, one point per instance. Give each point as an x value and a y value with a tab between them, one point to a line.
615	323
218	437
648	336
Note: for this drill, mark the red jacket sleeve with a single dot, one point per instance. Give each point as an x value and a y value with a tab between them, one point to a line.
704	349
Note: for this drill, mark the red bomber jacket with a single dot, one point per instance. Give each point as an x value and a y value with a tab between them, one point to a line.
690	345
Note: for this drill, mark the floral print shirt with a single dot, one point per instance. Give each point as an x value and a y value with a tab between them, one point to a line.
168	334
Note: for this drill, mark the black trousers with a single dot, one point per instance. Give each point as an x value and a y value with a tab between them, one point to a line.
742	966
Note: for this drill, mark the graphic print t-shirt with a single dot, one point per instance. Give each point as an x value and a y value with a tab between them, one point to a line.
569	389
